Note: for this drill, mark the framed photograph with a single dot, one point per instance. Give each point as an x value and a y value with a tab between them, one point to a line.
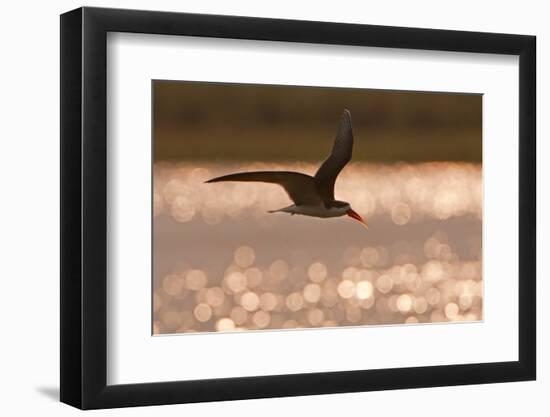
258	208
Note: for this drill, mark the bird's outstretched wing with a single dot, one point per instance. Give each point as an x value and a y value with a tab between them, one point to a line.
338	158
301	188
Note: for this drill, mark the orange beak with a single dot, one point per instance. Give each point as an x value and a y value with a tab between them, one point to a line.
357	217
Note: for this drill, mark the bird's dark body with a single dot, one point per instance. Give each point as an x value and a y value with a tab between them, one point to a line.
312	195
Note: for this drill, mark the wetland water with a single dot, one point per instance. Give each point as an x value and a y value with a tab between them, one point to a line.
222	263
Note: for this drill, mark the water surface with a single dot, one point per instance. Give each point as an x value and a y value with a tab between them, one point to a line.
221	262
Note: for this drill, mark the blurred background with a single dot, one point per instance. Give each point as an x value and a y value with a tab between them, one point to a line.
222	263
220	122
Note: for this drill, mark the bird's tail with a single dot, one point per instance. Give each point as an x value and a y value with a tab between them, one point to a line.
289	209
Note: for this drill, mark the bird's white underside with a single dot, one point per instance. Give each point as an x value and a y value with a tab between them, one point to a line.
314	210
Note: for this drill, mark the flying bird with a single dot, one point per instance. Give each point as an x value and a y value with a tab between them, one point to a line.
312	196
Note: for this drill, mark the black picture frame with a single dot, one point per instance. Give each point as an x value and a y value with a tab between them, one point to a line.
84	207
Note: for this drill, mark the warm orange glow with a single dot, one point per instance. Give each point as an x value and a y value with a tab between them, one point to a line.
262	279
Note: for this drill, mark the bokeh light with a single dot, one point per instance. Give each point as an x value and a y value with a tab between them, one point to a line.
419	262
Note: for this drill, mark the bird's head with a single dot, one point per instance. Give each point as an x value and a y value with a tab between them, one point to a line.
354	215
343	207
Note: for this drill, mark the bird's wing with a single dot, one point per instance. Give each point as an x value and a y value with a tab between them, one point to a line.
301	188
338	158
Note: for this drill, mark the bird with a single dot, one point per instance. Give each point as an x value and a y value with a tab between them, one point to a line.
312	195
